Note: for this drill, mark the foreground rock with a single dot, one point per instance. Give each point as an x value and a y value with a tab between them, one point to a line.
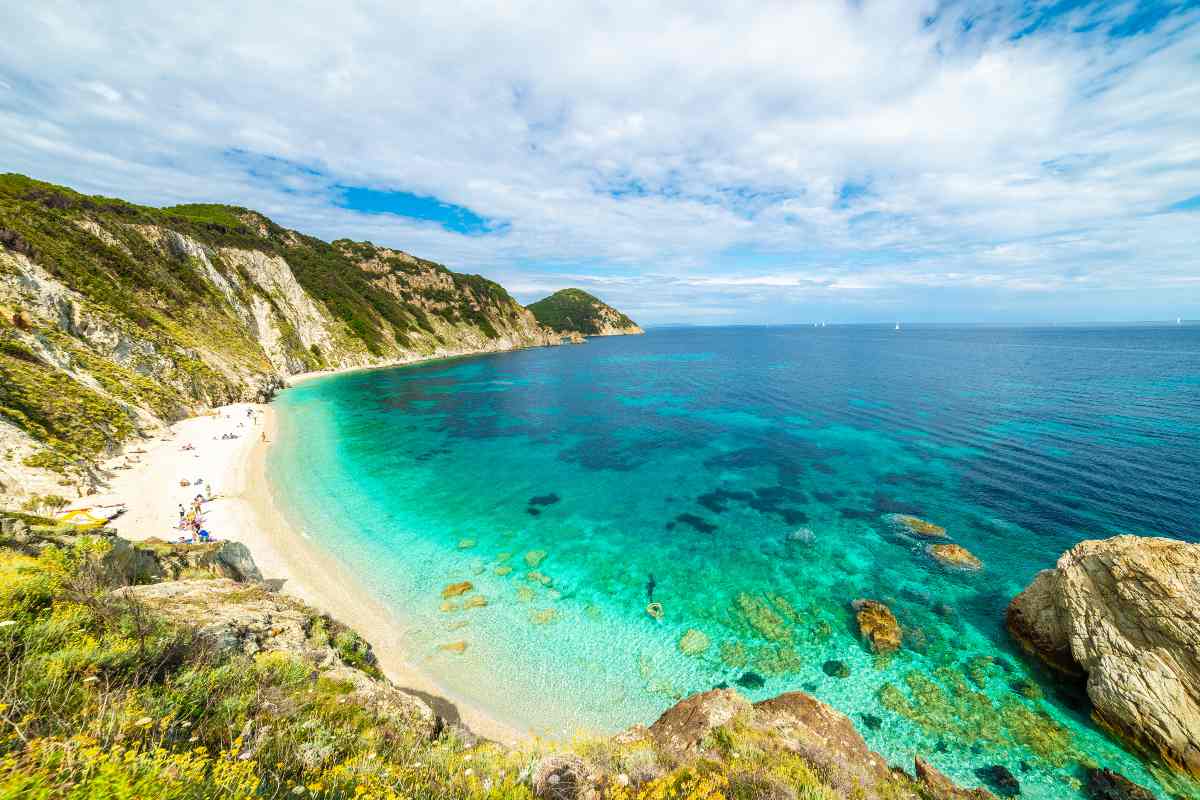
798	724
1125	613
251	619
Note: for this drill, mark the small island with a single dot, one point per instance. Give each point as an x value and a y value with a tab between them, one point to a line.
575	313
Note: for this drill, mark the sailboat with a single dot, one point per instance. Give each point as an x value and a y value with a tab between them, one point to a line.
897	326
1178	320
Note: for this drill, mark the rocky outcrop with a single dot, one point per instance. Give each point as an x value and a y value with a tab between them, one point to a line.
1125	613
250	618
878	626
797	724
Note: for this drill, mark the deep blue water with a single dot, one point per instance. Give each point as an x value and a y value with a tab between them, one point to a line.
745	477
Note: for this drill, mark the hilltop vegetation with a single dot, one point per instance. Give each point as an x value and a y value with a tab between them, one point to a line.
575	311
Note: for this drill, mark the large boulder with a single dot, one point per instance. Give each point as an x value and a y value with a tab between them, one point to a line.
563	777
682	728
1125	613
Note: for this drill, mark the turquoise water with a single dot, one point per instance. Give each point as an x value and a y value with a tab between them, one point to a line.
746	477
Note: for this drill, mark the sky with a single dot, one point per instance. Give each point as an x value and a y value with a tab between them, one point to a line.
689	162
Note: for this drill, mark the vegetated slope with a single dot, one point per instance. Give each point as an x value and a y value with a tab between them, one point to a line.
169	670
115	317
575	311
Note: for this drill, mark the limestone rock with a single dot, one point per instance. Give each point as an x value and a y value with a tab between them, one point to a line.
1125	612
563	777
682	727
224	559
956	556
878	626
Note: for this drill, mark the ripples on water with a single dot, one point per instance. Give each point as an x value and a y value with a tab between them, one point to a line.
750	471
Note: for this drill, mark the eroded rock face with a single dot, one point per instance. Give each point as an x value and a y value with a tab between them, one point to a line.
1125	612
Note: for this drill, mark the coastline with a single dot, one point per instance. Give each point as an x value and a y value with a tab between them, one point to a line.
245	510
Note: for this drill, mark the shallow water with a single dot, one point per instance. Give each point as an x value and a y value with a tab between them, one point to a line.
751	472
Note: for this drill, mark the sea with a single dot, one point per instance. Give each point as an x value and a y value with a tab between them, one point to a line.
645	517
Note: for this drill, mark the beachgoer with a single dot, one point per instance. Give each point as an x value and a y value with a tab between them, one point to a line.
181	511
204	535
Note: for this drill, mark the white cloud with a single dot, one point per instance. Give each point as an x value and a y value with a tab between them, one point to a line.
694	156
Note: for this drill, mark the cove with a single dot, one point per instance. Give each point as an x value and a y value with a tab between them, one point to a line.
747	480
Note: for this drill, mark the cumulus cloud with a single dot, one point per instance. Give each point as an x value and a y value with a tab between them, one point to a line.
690	161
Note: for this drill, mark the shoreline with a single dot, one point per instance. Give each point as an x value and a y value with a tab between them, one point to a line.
304	377
244	510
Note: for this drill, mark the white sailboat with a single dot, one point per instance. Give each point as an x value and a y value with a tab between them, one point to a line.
897	326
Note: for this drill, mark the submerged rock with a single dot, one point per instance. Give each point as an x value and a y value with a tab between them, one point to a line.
751	680
476	601
454	647
836	669
456	589
956	556
1104	784
878	626
693	642
916	526
1001	779
535	557
1125	613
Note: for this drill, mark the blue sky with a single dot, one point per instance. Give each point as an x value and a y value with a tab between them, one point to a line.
689	162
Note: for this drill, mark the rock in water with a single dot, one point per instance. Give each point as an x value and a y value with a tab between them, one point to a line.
916	526
1125	612
878	626
693	642
455	589
942	788
836	669
1000	779
1104	784
957	556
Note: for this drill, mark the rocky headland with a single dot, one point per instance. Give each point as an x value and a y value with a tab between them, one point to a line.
1123	614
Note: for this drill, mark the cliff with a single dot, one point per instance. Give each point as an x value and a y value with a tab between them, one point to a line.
1124	614
116	318
574	311
173	670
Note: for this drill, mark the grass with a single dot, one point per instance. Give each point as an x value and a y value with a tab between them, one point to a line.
100	697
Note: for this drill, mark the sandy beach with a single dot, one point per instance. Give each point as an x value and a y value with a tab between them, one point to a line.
233	471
